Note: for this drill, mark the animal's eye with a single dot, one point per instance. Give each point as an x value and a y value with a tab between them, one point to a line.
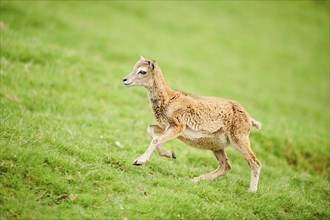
142	72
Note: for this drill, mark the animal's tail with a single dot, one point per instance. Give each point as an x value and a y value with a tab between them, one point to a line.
255	123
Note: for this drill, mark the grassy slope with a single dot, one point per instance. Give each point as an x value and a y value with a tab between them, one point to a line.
63	107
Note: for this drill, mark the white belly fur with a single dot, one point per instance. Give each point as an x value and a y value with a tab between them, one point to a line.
193	134
203	140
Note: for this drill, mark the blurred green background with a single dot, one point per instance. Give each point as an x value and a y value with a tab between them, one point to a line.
63	108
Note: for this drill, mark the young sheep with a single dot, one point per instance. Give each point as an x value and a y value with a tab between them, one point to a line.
208	123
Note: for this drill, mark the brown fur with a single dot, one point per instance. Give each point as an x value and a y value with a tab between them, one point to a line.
209	123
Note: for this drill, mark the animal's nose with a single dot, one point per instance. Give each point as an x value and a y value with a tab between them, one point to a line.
124	80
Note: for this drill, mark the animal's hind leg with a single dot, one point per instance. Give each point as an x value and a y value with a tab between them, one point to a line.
223	167
152	131
242	144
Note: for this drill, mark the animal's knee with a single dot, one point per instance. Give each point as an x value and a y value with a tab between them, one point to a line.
155	141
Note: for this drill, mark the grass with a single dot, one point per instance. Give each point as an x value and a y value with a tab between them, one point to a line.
63	108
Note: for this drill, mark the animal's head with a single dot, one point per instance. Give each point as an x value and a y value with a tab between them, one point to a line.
142	74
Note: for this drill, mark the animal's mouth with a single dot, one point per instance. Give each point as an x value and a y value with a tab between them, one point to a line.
128	83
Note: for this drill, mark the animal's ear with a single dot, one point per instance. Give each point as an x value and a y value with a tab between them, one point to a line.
142	58
152	64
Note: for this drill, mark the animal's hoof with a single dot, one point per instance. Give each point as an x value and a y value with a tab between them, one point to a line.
173	155
137	163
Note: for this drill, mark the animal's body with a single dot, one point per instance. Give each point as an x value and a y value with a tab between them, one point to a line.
209	123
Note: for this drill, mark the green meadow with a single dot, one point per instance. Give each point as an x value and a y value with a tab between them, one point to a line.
70	130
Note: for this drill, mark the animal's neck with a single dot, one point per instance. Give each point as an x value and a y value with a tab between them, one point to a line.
159	93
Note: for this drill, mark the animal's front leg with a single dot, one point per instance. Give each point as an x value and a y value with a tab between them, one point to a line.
169	134
152	131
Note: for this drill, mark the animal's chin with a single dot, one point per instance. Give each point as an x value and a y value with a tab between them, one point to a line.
128	84
131	84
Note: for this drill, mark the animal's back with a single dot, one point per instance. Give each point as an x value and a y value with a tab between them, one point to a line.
211	113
